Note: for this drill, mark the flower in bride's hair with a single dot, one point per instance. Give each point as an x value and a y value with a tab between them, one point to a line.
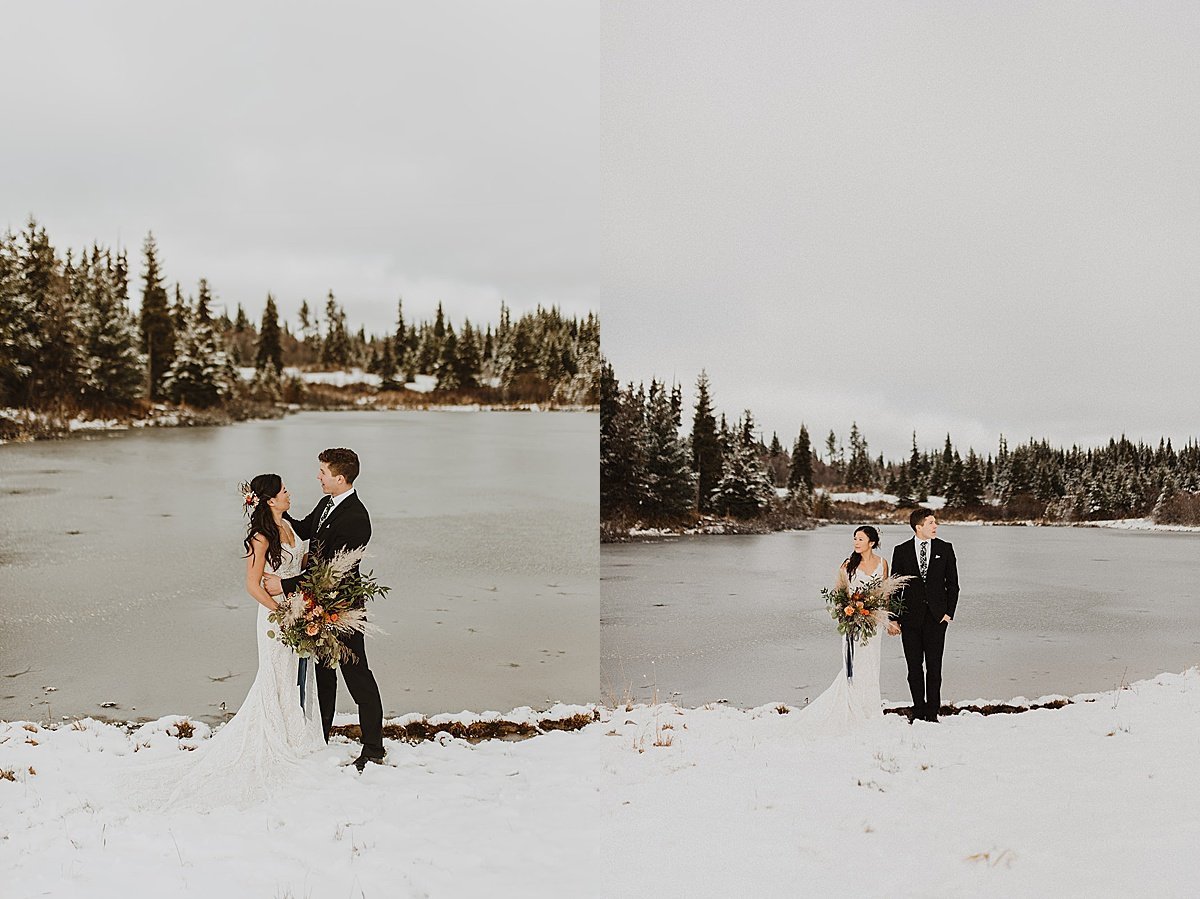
249	497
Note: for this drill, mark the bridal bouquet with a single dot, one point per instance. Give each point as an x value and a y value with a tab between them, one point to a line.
328	602
860	610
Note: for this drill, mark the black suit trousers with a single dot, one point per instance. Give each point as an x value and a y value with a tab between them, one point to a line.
924	640
361	684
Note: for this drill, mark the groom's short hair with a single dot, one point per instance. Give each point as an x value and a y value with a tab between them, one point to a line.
341	461
915	517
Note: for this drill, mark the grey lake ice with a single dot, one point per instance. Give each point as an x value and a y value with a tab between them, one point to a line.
121	570
1043	611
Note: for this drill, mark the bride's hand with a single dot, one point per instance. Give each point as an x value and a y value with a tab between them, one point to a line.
272	584
893	628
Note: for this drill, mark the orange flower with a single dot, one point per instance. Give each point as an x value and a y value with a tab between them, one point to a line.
333	617
312	629
849	610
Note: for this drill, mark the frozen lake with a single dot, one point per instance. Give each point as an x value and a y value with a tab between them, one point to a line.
121	570
1042	610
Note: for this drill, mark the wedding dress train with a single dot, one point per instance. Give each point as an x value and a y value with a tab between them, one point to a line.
258	752
851	701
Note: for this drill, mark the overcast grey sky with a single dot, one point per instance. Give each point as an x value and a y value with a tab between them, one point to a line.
435	151
965	217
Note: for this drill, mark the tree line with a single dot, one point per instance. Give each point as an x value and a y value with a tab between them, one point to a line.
656	470
69	341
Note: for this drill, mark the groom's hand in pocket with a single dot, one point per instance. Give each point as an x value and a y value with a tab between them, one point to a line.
272	584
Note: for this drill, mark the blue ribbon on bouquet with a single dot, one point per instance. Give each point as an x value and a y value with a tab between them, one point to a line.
849	657
302	670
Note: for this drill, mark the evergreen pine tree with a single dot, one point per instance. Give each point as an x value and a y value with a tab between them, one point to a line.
670	485
112	366
744	489
56	295
203	301
387	368
467	357
706	448
858	472
18	338
622	447
270	351
447	370
201	374
800	475
335	354
400	340
157	326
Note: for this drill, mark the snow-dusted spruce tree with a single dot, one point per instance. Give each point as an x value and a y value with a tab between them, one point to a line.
202	374
157	326
335	352
670	484
858	470
18	338
112	369
447	370
745	489
706	446
469	356
800	473
270	351
56	363
622	447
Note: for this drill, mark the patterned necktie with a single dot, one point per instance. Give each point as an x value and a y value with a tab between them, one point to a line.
924	560
325	514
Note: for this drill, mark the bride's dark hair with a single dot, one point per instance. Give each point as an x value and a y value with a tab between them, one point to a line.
856	557
263	487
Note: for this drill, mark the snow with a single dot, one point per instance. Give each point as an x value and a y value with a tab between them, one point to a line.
1101	797
441	818
1137	524
877	496
79	423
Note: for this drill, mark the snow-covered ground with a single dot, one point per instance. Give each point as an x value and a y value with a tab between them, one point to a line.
877	496
419	383
1137	524
448	818
1098	798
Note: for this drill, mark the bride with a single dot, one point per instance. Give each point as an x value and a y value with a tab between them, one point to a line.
260	750
853	699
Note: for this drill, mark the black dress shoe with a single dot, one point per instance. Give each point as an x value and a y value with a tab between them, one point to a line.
375	754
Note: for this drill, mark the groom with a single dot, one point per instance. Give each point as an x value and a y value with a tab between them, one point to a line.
929	602
340	521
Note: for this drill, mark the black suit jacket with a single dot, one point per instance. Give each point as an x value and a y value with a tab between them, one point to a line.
939	591
347	527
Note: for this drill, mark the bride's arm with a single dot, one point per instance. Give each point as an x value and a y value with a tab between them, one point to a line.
256	563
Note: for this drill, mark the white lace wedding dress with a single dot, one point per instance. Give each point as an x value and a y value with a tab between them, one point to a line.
849	702
258	752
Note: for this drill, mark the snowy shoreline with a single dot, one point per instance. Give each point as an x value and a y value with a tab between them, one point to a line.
1100	797
1121	524
1097	797
35	426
